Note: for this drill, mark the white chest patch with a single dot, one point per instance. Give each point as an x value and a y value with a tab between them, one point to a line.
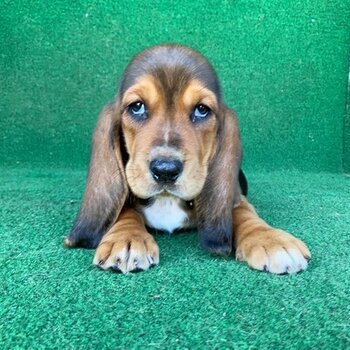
166	214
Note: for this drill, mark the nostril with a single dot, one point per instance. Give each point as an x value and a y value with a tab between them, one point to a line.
166	169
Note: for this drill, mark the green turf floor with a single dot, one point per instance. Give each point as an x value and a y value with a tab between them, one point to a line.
53	298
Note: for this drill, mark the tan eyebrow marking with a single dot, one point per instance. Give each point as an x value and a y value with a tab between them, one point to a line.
144	89
196	93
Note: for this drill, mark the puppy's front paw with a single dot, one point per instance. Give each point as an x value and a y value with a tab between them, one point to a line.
274	251
126	252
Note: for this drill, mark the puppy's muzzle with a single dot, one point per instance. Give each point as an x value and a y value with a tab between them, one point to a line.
165	170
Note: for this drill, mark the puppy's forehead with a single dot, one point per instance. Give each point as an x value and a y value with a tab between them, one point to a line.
173	67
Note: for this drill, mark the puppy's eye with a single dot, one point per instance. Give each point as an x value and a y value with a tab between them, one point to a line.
138	110
200	113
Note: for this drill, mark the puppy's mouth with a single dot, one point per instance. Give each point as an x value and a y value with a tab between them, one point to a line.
167	188
173	189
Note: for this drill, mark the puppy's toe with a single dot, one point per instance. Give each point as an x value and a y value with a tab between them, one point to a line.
127	253
285	259
273	251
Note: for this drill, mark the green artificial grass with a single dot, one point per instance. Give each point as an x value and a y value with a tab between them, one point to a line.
52	297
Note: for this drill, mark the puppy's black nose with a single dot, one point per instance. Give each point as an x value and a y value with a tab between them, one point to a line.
166	170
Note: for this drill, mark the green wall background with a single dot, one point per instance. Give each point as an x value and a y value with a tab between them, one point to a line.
346	161
283	66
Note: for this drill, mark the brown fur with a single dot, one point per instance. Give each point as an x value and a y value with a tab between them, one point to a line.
106	188
171	81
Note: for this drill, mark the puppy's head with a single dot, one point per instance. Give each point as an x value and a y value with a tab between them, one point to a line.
167	132
170	106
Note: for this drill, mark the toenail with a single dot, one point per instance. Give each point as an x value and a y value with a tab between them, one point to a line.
136	270
116	269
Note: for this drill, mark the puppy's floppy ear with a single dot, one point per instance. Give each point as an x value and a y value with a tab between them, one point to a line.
106	188
221	190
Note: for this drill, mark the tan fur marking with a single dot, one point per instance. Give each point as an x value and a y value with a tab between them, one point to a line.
145	89
127	245
264	247
196	93
197	143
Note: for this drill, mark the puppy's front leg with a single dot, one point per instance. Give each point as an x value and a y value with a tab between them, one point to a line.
264	247
127	246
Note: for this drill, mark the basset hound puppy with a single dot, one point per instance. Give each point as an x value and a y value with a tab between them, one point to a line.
167	155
